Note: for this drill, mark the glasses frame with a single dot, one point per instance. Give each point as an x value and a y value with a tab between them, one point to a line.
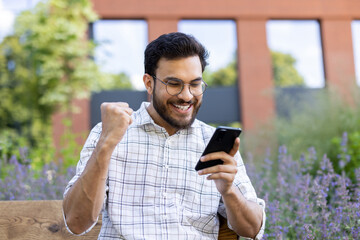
182	87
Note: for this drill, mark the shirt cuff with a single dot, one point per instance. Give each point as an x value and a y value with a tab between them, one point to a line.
262	229
86	231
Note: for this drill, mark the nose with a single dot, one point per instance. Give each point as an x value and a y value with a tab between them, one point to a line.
185	94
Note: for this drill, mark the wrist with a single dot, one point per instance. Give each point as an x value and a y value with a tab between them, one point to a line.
103	151
231	192
107	142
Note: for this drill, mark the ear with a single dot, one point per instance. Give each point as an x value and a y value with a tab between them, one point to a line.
148	83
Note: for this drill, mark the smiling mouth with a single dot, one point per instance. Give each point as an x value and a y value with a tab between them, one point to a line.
182	107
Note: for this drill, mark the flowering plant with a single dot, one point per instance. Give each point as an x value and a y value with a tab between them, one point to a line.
21	181
301	203
305	205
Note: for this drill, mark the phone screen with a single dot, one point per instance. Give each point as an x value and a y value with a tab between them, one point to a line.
222	140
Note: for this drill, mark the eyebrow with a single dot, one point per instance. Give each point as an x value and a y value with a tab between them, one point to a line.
175	78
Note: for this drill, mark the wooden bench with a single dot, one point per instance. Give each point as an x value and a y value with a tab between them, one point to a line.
40	220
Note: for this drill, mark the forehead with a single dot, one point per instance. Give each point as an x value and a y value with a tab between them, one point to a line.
188	67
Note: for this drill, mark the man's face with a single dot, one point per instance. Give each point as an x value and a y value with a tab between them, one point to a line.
178	112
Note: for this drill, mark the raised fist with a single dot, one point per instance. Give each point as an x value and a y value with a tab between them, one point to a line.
116	118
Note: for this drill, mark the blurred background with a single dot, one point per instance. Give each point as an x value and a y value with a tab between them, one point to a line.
287	72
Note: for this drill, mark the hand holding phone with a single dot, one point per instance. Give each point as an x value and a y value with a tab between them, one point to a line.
222	140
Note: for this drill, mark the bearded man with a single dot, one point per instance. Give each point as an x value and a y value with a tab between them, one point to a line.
137	168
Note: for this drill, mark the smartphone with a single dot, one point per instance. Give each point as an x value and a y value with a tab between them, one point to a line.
222	140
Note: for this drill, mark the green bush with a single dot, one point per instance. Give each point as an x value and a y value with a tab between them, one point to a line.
319	125
315	124
345	153
14	145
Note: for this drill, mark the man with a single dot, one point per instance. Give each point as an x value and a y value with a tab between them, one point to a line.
138	168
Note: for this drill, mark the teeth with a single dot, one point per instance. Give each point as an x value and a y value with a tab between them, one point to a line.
184	108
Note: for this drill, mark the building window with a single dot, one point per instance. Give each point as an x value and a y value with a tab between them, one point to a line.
219	38
121	48
296	47
355	25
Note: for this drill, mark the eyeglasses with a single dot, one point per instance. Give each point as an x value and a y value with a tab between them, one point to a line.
175	86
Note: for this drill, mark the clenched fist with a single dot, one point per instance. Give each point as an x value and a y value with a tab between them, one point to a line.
116	118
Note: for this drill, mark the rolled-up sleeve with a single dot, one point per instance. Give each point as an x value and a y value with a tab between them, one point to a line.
243	183
85	155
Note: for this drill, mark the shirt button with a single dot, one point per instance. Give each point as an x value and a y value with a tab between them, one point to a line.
164	195
166	166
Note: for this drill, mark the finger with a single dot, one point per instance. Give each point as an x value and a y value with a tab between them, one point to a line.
219	168
117	107
121	104
223	176
228	159
130	120
110	105
128	110
104	106
235	147
125	113
124	106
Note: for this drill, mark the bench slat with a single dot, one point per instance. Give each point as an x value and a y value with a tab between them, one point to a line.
42	220
39	220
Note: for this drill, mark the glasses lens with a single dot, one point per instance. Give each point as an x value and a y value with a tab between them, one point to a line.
197	88
174	87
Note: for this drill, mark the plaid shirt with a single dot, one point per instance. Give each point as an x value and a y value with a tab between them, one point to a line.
153	190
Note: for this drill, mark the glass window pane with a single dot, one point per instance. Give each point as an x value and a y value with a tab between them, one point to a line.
122	46
356	43
301	39
219	38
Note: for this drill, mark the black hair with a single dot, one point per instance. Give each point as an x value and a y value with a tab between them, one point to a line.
173	46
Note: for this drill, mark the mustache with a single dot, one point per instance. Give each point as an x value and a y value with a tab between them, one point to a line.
180	101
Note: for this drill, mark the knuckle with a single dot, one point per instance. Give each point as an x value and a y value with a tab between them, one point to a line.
103	105
222	168
117	111
123	115
123	104
120	113
109	107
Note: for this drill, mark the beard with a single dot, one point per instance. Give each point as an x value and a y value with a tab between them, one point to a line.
164	112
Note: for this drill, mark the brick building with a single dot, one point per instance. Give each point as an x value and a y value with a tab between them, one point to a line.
254	62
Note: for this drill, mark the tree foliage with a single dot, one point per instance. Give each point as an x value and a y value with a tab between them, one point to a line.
116	81
284	71
226	76
46	63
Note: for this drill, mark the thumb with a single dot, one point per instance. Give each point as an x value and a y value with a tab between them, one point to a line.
235	147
